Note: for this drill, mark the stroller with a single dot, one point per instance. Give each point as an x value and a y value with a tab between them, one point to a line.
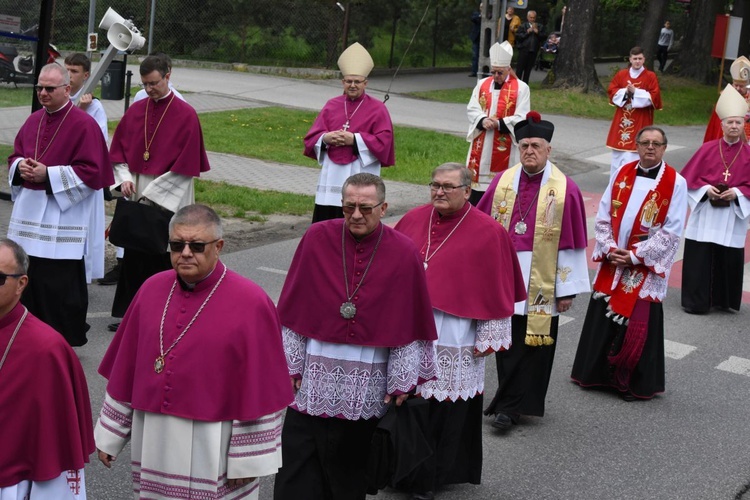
548	52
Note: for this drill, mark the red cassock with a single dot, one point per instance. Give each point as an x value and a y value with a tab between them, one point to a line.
627	122
45	421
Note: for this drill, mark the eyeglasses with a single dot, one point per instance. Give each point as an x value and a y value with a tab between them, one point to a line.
655	144
447	188
4	277
195	246
363	209
49	90
354	82
146	85
499	72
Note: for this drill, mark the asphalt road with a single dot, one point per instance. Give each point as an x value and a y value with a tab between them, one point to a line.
690	443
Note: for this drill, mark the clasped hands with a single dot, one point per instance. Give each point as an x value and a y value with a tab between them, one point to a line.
490	123
339	138
620	257
32	170
713	193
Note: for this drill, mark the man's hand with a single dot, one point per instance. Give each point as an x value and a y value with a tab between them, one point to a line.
32	170
620	257
399	399
296	383
236	483
85	101
339	138
564	304
106	459
489	124
478	354
127	189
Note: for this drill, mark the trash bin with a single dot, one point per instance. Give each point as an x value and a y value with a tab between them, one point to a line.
113	81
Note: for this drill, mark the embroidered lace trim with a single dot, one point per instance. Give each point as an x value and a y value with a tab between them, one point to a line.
493	334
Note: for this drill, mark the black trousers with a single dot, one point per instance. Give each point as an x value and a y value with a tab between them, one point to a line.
523	373
137	267
324	458
326	212
711	276
57	294
661	56
525	64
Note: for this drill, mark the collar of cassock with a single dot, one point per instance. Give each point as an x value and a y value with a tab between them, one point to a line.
651	173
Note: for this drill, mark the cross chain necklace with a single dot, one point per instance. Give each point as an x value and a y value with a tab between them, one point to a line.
160	362
427	255
346	112
348	309
13	337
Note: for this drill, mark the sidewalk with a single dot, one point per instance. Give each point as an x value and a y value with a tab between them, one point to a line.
578	144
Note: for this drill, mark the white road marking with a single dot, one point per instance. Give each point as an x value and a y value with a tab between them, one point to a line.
99	315
675	350
564	320
740	366
272	270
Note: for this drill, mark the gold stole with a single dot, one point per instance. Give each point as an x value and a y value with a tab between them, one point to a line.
547	231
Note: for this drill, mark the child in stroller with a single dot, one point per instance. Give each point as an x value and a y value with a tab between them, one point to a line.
548	52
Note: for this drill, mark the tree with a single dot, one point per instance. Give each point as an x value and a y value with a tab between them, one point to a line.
694	59
575	59
650	29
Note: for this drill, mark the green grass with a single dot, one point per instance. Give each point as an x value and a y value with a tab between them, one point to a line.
251	204
684	101
11	97
276	134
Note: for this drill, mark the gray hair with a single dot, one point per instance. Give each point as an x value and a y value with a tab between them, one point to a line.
19	254
364	179
652	128
197	215
56	68
466	175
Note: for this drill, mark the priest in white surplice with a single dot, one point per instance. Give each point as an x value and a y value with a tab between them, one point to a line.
718	178
58	168
197	376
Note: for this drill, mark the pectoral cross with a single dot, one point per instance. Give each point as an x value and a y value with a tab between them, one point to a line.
346	126
727	174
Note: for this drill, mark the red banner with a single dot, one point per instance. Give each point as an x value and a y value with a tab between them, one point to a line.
720	36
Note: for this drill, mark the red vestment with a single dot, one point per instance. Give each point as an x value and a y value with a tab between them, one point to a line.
393	304
177	143
478	262
628	120
45	422
229	365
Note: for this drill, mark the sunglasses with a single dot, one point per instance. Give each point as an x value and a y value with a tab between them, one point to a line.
195	246
363	209
4	277
49	90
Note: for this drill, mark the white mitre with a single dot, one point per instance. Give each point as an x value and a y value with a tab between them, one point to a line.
355	60
501	54
731	103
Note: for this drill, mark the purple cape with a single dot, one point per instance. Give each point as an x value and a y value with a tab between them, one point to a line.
230	364
177	146
476	273
75	144
371	121
573	234
393	304
45	422
706	167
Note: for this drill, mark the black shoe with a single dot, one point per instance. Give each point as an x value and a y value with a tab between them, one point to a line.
502	421
473	75
113	327
693	311
428	495
628	396
112	277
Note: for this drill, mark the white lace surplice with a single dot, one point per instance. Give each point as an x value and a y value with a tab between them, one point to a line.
460	375
351	381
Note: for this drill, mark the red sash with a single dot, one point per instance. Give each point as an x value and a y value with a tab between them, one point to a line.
506	106
651	215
